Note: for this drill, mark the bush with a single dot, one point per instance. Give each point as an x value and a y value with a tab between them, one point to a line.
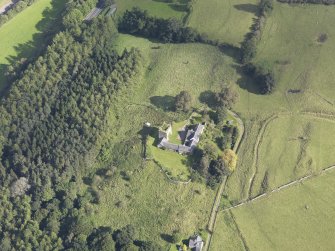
229	159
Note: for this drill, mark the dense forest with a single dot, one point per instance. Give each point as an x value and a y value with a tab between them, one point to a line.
51	121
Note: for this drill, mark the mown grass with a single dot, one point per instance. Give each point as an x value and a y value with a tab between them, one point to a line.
176	128
298	218
22	35
172	162
162	9
226	21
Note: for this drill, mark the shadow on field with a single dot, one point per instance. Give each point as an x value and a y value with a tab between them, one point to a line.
251	8
231	51
29	51
166	103
245	82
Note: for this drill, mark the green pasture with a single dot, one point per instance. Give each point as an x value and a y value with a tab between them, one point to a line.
298	218
226	21
21	37
302	66
162	9
293	147
290	46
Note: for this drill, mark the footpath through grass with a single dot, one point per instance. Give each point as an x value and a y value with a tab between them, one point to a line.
22	35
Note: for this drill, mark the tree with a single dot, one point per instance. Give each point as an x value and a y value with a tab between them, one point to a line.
226	98
229	159
221	115
125	236
101	239
266	6
210	151
183	102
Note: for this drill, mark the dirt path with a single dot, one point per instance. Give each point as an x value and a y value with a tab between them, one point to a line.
217	200
256	152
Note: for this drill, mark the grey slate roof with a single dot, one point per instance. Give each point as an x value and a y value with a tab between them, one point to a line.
196	243
191	140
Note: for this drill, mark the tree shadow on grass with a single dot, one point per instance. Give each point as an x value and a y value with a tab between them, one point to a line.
251	8
167	238
166	103
231	51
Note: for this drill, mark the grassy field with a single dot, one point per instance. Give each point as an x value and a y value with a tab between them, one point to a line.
290	45
155	8
226	21
22	35
304	147
302	213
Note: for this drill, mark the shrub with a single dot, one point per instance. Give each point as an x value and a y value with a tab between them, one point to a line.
183	102
229	159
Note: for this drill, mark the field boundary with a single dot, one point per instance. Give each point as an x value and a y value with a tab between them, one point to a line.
217	200
287	185
317	115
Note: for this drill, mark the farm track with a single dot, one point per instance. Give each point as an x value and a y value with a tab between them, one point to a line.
217	200
256	151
